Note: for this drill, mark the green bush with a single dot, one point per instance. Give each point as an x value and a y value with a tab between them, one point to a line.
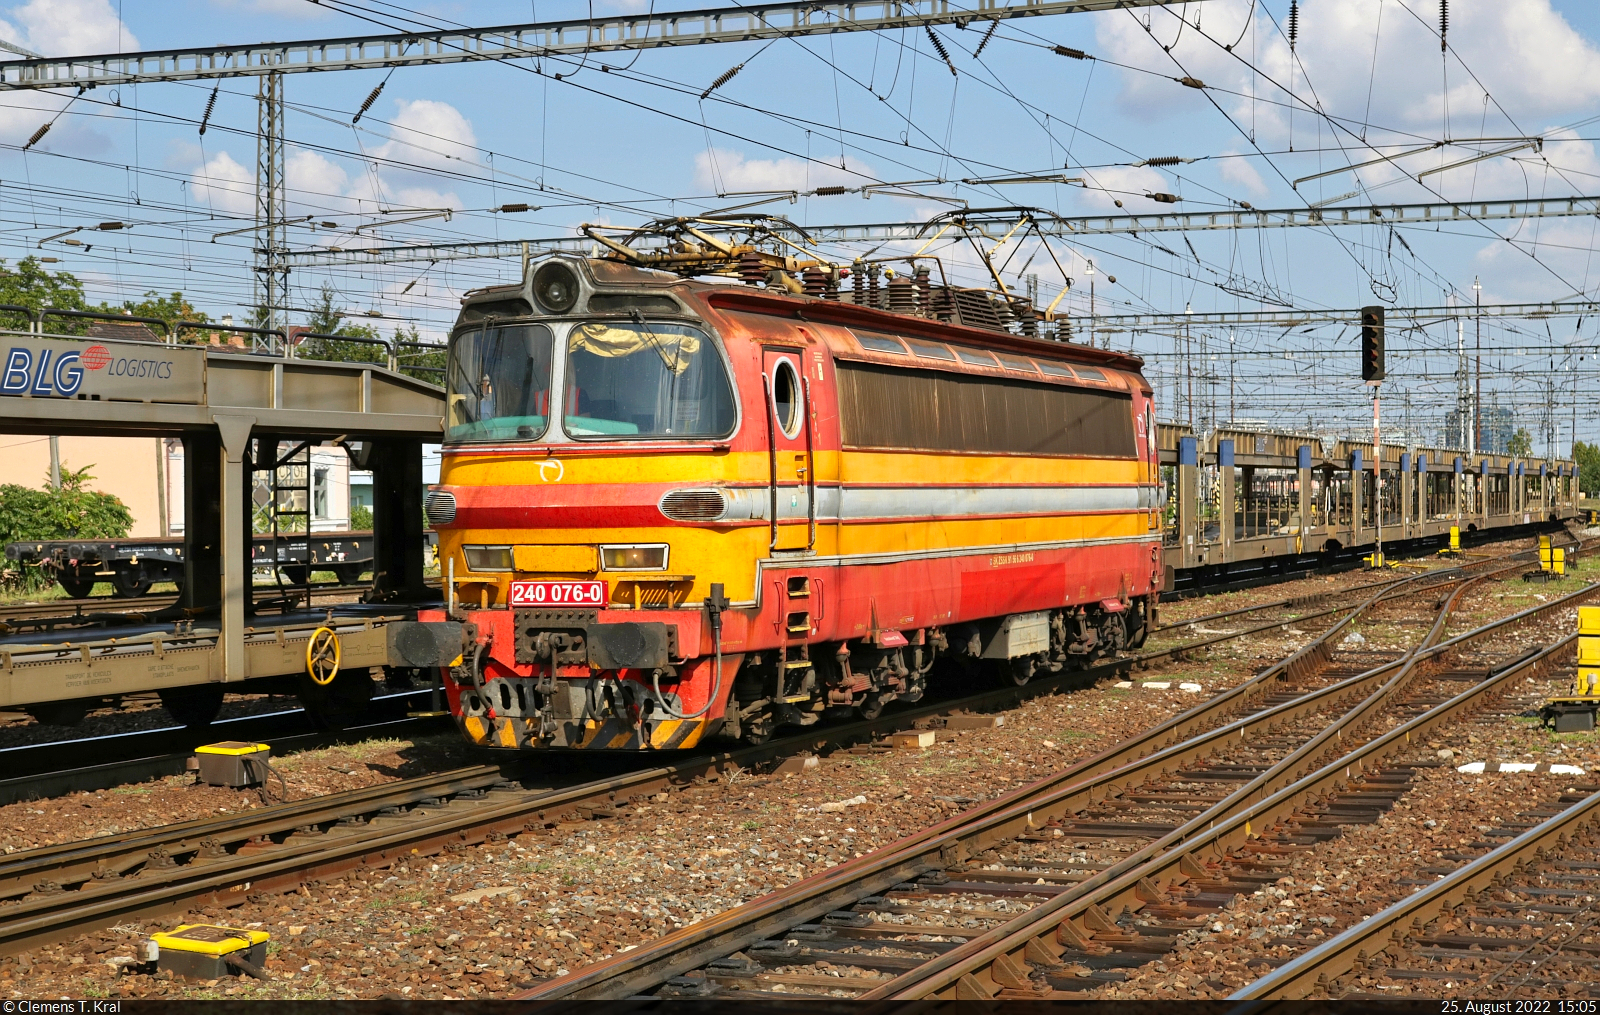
39	514
360	518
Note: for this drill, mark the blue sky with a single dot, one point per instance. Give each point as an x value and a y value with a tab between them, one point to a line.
620	145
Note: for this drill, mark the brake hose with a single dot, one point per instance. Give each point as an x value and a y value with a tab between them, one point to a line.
714	606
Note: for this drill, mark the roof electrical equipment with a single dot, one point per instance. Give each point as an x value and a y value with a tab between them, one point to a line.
1372	344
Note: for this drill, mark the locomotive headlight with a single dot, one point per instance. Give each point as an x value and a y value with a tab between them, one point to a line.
634	558
487	558
555	286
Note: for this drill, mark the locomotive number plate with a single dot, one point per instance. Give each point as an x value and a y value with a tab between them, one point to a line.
558	593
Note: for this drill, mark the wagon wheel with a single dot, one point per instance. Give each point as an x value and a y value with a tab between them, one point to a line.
322	656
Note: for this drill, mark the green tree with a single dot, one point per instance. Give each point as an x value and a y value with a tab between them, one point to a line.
171	308
423	364
1521	443
32	285
1588	458
324	319
72	512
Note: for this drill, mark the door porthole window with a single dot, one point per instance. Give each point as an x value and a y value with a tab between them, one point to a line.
786	397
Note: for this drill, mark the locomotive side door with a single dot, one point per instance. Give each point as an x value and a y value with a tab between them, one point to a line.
791	443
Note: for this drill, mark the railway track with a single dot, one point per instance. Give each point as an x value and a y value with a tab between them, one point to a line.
1519	916
56	892
52	893
1052	890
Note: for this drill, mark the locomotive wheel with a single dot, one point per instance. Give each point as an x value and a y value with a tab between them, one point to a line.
756	731
130	584
1021	669
1114	633
348	574
871	707
77	588
193	706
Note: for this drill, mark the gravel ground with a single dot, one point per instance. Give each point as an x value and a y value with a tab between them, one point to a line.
35	823
481	921
484	920
1441	820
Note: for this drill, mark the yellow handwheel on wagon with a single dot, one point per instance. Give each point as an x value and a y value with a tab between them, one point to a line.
322	656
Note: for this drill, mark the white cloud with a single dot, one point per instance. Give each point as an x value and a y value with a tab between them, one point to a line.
1241	173
276	8
1563	247
430	133
224	185
313	181
1531	60
1128	184
67	27
725	171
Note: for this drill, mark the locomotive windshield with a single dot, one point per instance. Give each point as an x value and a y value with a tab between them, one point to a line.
647	380
499	383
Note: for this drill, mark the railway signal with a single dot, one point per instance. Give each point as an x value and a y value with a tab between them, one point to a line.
1372	344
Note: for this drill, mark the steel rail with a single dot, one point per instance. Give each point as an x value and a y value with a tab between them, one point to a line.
1311	599
943	844
1315	969
966	968
69	862
49	912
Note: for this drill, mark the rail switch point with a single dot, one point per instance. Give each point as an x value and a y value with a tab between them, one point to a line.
200	951
233	763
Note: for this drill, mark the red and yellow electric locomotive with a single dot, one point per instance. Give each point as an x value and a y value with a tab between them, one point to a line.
670	509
